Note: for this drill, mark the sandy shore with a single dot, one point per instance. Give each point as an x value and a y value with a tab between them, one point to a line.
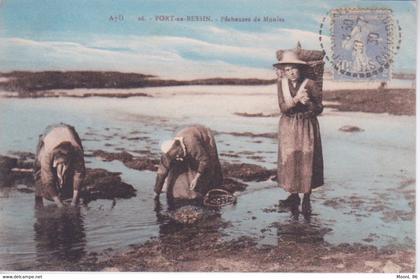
396	101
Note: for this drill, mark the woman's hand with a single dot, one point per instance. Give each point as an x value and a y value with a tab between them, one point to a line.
301	97
194	181
58	202
75	199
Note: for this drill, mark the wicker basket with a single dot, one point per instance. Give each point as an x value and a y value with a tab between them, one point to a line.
218	198
187	214
303	54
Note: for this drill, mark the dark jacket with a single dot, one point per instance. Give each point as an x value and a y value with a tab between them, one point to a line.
201	156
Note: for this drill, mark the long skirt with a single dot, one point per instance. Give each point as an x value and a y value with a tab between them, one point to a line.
300	161
181	175
179	180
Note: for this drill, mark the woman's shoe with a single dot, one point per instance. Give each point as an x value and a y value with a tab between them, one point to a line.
306	204
291	201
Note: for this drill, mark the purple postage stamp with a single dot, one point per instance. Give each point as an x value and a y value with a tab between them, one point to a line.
362	43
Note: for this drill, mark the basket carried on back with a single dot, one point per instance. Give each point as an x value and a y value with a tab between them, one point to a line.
315	60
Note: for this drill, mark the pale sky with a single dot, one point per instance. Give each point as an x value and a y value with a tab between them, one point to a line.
41	35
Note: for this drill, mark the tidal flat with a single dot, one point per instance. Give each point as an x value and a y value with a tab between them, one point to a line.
363	218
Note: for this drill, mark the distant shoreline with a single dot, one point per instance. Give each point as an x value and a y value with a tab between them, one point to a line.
25	82
396	101
392	101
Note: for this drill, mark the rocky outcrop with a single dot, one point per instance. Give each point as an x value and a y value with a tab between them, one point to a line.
247	172
102	184
350	129
98	183
137	163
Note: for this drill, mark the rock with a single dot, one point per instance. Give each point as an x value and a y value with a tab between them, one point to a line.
137	163
6	175
7	163
24	189
229	155
142	164
247	172
24	156
6	179
102	184
270	210
23	175
406	183
391	267
350	129
340	266
373	264
25	160
333	203
251	135
16	170
98	183
232	185
110	156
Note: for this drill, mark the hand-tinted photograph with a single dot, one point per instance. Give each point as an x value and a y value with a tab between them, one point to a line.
219	136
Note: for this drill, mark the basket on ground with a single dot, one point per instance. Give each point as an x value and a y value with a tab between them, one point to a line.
218	198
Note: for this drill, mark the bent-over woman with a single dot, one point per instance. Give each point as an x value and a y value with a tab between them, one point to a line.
189	165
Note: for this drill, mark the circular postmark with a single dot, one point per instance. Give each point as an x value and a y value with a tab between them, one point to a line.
362	42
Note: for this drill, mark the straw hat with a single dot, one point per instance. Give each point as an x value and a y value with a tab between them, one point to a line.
289	57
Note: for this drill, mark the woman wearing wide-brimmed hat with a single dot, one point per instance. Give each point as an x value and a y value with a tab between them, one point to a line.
300	161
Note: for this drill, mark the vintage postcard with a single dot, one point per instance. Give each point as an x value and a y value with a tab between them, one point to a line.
219	136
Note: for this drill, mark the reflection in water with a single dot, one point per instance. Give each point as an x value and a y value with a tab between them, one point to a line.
308	231
59	234
174	233
166	224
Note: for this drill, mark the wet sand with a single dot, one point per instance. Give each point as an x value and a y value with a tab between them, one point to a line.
204	252
397	101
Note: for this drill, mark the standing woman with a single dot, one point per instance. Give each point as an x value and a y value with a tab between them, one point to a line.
300	163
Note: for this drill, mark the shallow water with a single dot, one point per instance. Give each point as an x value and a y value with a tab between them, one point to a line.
366	197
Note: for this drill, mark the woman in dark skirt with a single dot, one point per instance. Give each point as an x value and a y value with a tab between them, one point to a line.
300	162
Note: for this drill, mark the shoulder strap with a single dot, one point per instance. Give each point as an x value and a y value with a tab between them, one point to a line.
286	92
302	86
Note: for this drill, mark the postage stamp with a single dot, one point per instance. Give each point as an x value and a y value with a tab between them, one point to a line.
362	43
